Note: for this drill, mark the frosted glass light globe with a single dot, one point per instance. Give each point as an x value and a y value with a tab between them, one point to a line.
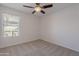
37	9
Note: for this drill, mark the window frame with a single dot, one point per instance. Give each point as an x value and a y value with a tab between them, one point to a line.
18	24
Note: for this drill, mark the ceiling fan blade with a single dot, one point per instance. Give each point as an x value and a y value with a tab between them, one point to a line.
28	6
42	12
47	6
37	3
33	12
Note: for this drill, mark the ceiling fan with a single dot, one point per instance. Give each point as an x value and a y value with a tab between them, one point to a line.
39	8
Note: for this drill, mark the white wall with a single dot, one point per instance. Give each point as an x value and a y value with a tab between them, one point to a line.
62	27
28	28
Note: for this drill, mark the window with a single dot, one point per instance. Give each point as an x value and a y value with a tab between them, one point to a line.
10	25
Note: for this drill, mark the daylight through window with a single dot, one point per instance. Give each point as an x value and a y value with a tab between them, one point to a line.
10	25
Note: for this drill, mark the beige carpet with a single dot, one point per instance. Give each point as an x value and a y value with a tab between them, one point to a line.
37	48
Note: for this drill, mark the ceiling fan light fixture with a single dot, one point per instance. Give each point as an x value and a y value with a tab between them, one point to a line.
38	9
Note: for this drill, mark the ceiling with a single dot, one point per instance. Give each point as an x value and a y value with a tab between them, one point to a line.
19	6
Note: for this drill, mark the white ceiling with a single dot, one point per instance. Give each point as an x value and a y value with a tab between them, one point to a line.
19	6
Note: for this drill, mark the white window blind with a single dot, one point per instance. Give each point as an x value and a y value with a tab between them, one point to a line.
10	25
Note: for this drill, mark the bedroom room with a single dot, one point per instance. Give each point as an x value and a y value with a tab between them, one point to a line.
39	29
